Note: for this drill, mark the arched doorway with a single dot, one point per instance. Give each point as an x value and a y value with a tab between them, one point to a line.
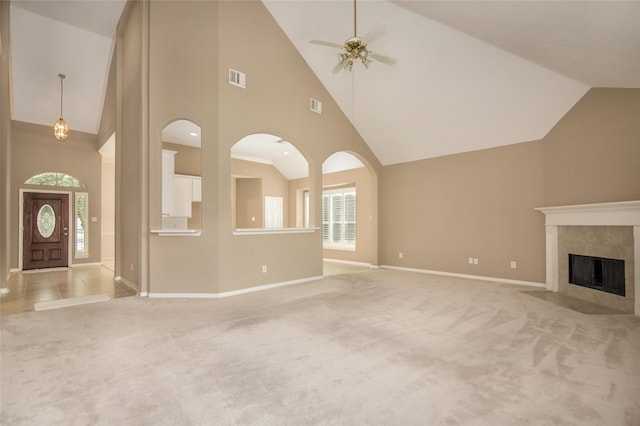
349	214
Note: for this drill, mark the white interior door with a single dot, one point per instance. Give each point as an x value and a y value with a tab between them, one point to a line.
273	212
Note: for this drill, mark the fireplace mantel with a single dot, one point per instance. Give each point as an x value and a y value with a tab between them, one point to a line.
624	213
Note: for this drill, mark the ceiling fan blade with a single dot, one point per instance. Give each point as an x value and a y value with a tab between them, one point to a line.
382	58
327	44
337	68
374	32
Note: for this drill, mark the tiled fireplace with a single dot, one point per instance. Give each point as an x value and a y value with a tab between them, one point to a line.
607	235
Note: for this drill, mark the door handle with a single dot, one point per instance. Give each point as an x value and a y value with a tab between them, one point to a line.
66	231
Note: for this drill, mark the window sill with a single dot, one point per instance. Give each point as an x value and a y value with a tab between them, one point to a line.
263	231
341	248
177	232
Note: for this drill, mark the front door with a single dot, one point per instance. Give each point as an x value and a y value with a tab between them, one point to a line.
46	230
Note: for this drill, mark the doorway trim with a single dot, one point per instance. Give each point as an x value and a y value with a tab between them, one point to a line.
21	222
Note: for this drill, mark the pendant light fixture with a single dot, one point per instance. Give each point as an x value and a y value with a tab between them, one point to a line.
60	129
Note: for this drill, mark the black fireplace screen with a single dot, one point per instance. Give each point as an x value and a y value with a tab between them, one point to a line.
597	273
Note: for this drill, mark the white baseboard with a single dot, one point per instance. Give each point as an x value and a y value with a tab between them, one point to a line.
231	293
81	265
348	262
127	283
473	277
14	270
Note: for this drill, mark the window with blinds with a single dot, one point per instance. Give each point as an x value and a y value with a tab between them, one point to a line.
82	225
339	218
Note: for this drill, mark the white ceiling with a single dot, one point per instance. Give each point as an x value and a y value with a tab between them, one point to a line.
183	132
270	149
74	38
468	74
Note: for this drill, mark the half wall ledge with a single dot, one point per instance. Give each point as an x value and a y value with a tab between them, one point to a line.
263	231
623	213
177	232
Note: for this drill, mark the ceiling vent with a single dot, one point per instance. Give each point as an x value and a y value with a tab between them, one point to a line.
315	105
237	78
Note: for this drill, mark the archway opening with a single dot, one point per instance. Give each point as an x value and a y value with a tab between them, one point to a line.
349	211
181	176
268	175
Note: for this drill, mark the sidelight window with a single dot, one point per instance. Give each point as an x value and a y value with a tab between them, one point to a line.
82	225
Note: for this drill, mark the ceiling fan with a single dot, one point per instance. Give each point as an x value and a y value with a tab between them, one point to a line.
355	48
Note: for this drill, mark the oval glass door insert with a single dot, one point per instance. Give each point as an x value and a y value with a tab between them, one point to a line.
46	221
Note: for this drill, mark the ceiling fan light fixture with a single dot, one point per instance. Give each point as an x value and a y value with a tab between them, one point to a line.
60	128
356	48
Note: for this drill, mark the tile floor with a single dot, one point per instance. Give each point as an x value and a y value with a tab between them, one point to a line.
336	268
28	288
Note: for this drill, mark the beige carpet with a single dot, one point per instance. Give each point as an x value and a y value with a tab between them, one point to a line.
378	347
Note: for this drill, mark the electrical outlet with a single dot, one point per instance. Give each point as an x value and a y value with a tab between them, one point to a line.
471	261
264	269
475	260
131	267
401	255
513	264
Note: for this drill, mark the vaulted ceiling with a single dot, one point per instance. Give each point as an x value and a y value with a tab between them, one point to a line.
468	75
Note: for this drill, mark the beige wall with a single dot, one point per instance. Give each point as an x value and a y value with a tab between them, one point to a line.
248	203
271	184
35	150
108	119
130	163
279	85
5	146
441	211
593	154
366	249
183	84
108	208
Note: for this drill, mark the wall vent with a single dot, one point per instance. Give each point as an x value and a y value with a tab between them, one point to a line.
315	105
237	78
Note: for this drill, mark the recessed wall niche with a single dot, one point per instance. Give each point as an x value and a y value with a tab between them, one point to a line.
181	176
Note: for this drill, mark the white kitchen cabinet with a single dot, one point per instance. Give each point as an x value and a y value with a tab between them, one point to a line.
168	169
182	189
196	194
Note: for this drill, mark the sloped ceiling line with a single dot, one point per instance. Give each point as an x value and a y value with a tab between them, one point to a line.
469	75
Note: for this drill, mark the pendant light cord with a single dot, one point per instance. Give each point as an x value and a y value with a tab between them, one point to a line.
61	76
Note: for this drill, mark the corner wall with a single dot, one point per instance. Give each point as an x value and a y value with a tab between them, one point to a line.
593	154
441	211
5	146
131	150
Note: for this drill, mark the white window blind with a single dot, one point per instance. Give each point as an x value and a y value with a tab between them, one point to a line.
339	218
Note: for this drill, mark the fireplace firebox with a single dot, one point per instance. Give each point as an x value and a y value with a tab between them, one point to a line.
597	273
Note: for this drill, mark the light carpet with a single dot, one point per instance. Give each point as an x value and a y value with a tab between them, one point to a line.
379	347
